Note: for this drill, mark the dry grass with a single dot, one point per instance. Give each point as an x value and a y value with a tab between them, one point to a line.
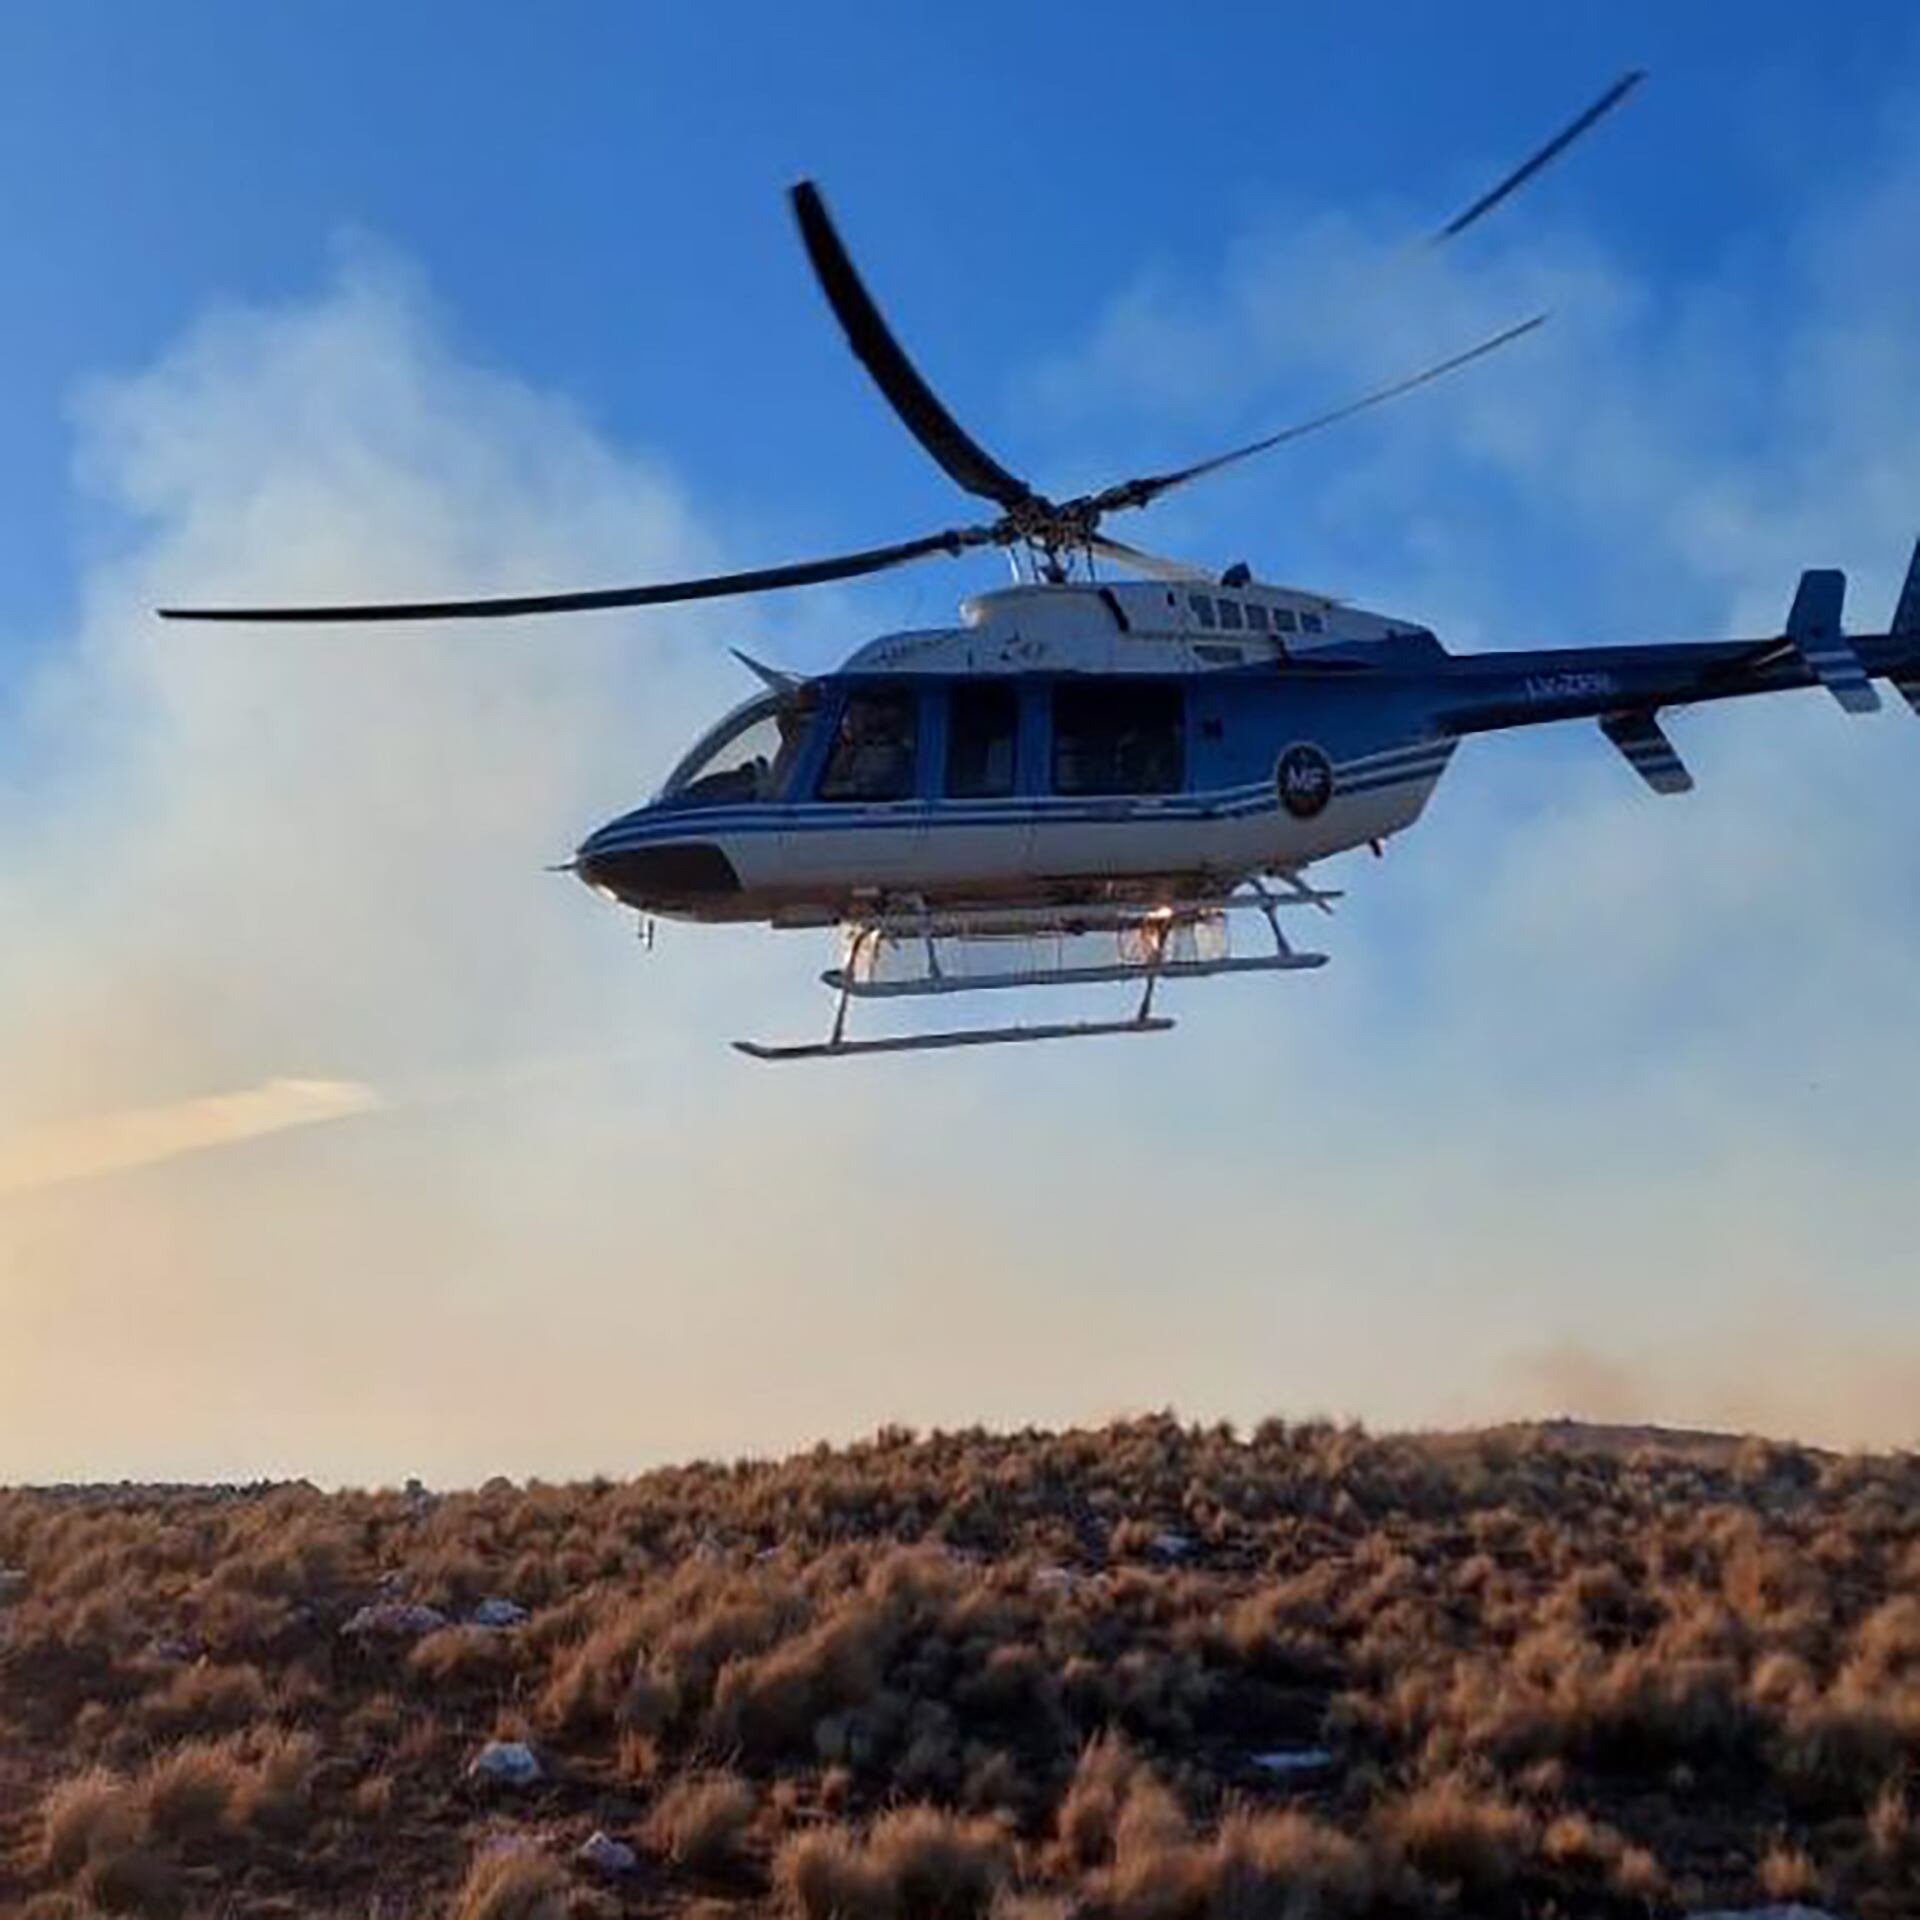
701	1822
964	1675
1290	1863
276	1791
93	1816
513	1884
1451	1831
207	1699
189	1792
1787	1874
915	1863
95	1836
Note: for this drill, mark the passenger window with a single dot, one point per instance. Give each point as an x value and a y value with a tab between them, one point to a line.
1230	615
1283	619
1256	617
983	730
1202	608
874	751
1123	736
1310	623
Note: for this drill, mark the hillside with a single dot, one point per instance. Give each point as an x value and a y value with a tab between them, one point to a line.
1150	1672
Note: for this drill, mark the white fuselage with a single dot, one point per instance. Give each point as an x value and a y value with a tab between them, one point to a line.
799	856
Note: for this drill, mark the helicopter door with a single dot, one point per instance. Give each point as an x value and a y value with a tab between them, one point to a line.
983	833
872	827
1119	754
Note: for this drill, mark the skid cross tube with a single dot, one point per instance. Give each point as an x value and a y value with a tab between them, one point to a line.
1290	961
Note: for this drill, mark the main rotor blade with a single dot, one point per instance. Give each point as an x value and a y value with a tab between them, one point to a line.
1525	171
1137	493
804	573
964	459
1156	566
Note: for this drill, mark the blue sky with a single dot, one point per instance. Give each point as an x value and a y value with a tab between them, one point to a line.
594	193
332	1128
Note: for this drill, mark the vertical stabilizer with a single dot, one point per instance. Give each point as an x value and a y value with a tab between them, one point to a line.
1814	628
1906	626
1906	613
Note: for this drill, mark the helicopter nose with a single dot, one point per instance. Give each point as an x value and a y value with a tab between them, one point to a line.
656	876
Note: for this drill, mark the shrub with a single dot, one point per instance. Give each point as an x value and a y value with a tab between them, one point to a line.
58	1906
1787	1874
93	1815
188	1792
936	1865
588	1682
463	1657
915	1863
1573	1840
824	1874
1289	1863
207	1699
1891	1831
1638	1875
700	1822
767	1707
512	1883
1451	1831
1088	1817
275	1789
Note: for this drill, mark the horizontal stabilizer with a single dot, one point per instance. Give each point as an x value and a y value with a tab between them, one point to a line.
1814	628
1649	752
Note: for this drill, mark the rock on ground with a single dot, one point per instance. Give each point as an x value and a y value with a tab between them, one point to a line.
607	1855
507	1763
395	1620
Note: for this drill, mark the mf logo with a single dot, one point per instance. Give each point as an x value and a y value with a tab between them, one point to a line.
1304	777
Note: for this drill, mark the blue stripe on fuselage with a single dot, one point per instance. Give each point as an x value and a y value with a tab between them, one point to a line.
1408	766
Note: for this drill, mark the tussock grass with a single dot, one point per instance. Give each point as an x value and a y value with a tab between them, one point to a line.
513	1884
95	1815
915	1863
189	1792
701	1822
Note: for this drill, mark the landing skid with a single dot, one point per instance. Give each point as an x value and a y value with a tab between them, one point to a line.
1181	939
957	1037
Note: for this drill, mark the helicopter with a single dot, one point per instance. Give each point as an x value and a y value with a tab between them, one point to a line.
1089	781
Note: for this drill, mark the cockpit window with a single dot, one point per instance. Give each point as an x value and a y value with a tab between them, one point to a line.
750	756
875	752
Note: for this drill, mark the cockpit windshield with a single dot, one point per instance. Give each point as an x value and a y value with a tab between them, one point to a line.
750	755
